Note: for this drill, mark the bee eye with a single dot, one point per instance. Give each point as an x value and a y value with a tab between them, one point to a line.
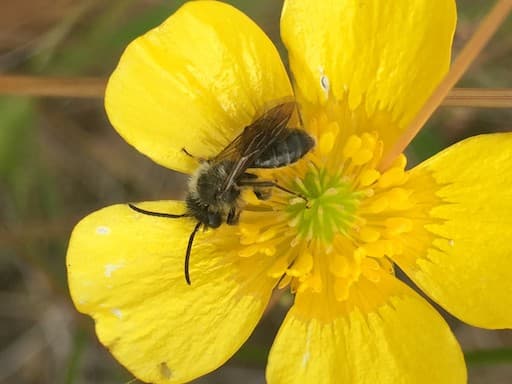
214	219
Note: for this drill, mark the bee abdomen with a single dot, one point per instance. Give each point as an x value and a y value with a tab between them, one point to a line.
286	151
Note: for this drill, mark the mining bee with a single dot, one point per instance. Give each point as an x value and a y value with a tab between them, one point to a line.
214	188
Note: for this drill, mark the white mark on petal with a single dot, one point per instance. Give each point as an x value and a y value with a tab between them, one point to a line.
307	353
110	268
324	80
324	83
103	230
451	242
117	313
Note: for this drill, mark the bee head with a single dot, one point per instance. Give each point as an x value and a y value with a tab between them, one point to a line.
205	213
214	219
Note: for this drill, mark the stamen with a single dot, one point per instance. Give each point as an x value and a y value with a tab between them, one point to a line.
349	226
352	146
369	235
302	265
368	177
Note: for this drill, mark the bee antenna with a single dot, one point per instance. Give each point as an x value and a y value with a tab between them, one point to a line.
158	214
189	250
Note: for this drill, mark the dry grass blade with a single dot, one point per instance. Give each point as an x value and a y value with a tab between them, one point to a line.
94	88
485	31
81	87
479	98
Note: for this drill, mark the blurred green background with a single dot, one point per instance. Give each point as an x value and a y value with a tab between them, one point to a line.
60	159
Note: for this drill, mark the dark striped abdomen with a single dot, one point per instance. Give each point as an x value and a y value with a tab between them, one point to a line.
285	151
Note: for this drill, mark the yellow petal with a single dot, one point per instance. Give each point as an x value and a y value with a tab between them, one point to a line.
379	59
460	249
395	337
125	269
194	82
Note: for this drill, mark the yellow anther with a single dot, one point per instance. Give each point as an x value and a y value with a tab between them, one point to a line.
302	265
279	267
379	248
397	246
248	230
370	264
362	156
269	250
326	142
250	250
398	225
267	235
368	177
398	198
296	200
316	124
331	192
368	192
352	146
379	150
369	235
341	289
334	127
359	254
393	176
295	241
294	221
312	281
368	141
400	162
379	204
299	183
371	270
338	265
386	265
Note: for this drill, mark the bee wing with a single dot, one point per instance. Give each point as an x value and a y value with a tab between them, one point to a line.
254	139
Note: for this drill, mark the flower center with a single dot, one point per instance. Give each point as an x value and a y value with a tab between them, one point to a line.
345	222
329	206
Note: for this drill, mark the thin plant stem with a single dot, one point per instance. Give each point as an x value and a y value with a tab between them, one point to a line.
94	88
483	34
80	87
479	98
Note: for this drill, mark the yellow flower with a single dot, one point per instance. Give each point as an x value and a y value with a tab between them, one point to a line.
361	70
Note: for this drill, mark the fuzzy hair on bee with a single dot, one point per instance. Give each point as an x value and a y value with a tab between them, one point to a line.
215	187
206	200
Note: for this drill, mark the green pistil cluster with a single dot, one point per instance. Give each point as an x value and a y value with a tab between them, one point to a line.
329	206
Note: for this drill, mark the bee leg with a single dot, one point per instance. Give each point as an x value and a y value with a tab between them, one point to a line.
262	194
248	176
199	159
233	216
269	184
